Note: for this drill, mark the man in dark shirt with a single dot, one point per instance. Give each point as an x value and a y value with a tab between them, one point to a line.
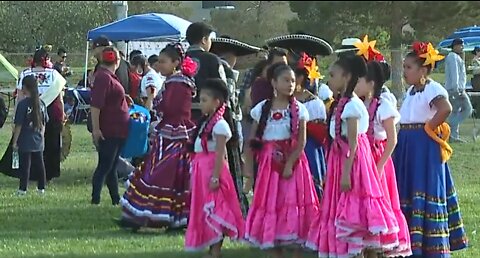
60	65
122	71
209	65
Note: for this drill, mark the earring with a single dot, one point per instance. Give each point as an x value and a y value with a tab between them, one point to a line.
274	92
423	80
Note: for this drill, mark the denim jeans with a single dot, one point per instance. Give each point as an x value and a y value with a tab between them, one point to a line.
108	156
461	110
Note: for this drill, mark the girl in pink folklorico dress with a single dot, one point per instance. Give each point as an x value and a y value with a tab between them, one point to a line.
383	138
285	201
214	210
354	212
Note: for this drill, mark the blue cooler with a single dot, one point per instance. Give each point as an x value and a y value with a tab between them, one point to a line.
136	144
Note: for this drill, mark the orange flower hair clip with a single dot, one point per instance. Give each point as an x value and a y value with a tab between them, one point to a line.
367	50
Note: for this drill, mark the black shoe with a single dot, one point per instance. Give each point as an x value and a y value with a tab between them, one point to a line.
127	224
95	202
116	201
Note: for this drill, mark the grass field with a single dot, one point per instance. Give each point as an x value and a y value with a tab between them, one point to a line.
64	224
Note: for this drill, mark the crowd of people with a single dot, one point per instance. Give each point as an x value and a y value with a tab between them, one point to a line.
327	168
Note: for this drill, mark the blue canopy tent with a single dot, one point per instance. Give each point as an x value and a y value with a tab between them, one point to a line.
470	35
150	26
141	27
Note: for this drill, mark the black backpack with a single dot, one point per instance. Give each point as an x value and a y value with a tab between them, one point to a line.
3	112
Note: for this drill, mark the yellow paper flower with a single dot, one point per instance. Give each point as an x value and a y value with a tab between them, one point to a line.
313	72
365	47
431	56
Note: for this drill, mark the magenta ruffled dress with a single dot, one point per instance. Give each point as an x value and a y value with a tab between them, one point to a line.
352	221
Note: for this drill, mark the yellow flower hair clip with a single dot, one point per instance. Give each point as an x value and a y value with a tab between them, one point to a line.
431	56
313	72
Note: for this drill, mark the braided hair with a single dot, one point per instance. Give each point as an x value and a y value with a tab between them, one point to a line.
273	73
175	53
218	90
375	73
356	67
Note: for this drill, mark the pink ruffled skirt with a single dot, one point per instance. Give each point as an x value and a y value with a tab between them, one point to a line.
353	221
282	209
213	214
389	186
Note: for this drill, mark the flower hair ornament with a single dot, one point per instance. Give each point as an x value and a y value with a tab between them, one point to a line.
309	64
367	50
428	52
189	67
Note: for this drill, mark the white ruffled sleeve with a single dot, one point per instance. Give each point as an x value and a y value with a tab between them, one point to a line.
386	110
353	109
390	97
222	128
433	90
303	112
316	109
324	92
256	111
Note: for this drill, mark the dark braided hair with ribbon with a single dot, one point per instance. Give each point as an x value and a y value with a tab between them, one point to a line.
186	65
218	90
376	74
356	67
273	73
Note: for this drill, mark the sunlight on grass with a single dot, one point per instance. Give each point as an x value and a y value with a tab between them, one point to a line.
64	224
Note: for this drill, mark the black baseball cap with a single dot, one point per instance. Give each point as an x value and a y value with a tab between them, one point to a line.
457	41
101	41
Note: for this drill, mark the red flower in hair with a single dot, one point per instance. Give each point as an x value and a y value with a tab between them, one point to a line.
375	56
304	61
189	67
419	47
109	56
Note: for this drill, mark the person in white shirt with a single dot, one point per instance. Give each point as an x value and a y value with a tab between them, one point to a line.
152	80
455	81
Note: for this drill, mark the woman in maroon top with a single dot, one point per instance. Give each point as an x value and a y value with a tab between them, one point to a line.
158	194
110	120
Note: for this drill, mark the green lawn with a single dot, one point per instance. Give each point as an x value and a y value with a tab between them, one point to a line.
64	224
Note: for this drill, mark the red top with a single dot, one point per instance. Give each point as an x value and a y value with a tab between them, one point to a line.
262	89
135	79
108	95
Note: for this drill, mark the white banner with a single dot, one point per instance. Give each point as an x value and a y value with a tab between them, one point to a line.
151	48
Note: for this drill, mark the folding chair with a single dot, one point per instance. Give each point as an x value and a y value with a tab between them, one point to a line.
81	106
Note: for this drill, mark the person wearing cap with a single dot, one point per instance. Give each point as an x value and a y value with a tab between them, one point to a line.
475	68
455	82
199	36
122	71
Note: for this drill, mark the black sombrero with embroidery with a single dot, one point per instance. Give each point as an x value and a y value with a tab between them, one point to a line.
302	43
226	44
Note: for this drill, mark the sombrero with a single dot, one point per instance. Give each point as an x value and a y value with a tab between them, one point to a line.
302	43
348	44
225	44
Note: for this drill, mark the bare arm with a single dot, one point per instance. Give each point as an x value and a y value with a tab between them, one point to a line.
95	118
352	133
302	140
220	149
389	125
16	134
443	111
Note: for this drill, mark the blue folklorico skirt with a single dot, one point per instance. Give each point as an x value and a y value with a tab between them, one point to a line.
316	161
427	195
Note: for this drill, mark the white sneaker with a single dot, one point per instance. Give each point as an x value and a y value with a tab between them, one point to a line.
21	193
41	191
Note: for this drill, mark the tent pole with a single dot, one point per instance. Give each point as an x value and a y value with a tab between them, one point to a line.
85	75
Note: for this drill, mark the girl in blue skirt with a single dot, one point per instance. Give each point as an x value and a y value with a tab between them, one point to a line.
427	194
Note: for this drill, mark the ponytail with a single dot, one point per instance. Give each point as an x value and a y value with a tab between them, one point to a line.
29	83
